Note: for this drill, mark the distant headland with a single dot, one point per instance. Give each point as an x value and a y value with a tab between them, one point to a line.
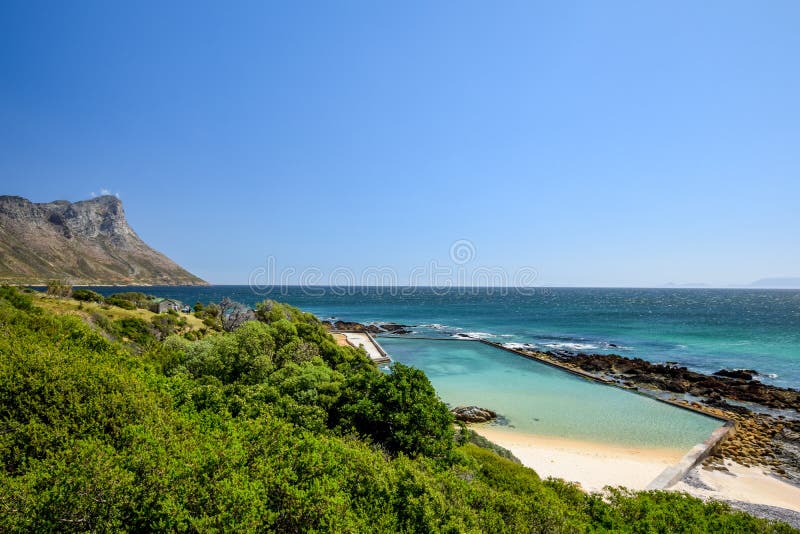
85	243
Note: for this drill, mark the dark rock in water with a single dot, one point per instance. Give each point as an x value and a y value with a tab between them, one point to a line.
741	374
473	414
721	404
394	328
389	328
349	326
502	421
613	345
381	328
736	385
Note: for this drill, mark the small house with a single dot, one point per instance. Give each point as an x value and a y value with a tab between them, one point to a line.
163	305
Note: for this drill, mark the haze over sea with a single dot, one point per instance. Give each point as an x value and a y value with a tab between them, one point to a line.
703	329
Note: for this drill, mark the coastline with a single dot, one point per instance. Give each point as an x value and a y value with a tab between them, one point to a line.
593	465
596	465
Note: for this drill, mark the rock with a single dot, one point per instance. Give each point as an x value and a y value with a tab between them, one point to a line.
736	384
394	328
473	414
741	374
349	326
717	402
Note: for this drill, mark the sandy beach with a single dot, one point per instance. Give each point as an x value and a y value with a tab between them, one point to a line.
595	465
740	484
592	465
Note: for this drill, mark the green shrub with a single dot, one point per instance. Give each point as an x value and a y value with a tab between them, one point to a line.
16	298
59	288
87	295
135	299
120	302
216	435
401	411
134	329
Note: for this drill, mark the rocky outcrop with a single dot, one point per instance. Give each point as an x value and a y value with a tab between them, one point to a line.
733	385
85	243
388	328
473	414
381	328
743	374
348	326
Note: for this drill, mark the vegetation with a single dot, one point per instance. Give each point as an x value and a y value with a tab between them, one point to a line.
271	427
59	288
103	315
129	300
87	295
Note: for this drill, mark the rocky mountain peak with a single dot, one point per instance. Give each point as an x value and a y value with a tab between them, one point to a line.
88	241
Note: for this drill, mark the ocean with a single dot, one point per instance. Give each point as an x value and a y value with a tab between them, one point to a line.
703	329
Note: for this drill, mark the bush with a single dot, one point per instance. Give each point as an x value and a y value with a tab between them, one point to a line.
87	295
166	324
134	329
135	299
401	411
59	288
17	299
215	436
120	302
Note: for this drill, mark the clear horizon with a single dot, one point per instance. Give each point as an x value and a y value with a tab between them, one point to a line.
613	145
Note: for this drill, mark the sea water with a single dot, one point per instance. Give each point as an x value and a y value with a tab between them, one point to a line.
703	329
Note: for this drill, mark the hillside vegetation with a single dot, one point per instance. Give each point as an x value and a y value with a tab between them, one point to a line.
272	427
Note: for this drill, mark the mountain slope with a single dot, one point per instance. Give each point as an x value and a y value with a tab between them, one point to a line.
87	242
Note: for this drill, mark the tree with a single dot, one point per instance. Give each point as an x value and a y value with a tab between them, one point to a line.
401	411
59	288
234	314
87	295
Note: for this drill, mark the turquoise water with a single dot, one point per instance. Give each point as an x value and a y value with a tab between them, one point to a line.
704	329
540	399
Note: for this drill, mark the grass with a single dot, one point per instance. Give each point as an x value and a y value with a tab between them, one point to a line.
68	306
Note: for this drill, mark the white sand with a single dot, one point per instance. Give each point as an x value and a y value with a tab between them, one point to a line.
595	465
740	483
592	465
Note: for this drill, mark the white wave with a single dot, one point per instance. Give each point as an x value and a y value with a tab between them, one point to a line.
519	346
437	326
771	375
475	335
571	346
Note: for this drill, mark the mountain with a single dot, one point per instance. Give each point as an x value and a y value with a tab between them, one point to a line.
87	242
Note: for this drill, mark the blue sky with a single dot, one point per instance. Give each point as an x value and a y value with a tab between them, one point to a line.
599	143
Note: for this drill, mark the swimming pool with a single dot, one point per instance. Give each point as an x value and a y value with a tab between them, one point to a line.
539	399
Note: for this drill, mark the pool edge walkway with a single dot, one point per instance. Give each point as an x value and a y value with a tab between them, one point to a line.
368	343
674	473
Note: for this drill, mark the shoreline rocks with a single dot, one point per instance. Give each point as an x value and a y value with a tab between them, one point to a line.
742	374
380	328
733	385
473	414
770	440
